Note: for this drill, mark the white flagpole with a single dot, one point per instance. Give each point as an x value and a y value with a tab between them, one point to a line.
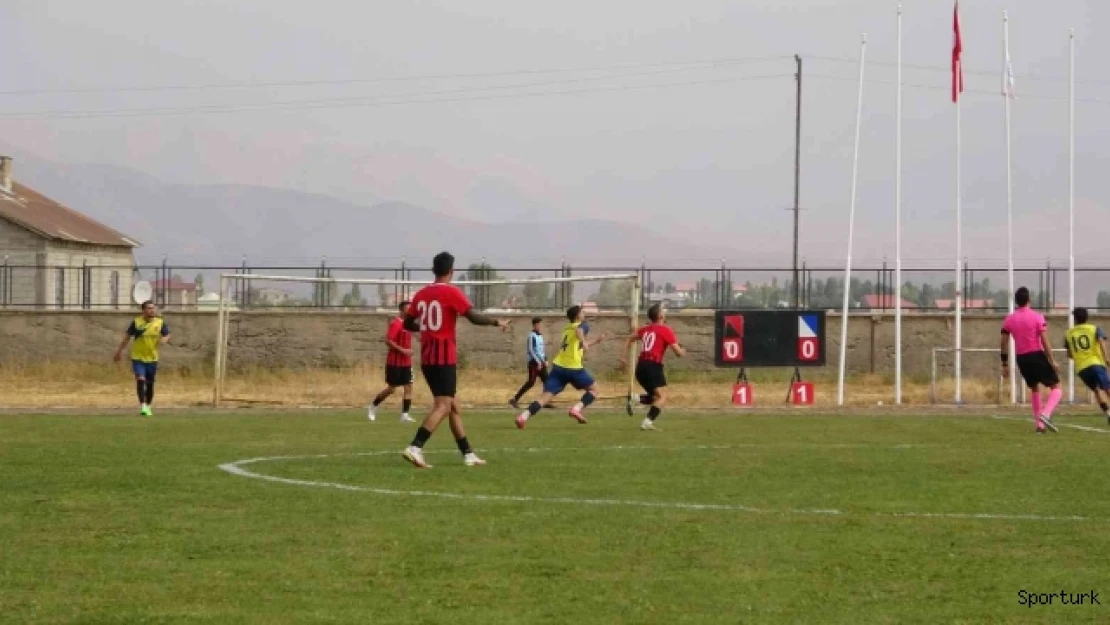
1008	95
1071	203
898	224
851	230
959	255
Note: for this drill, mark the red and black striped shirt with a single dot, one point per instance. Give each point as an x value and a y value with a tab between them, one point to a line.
401	337
437	307
655	339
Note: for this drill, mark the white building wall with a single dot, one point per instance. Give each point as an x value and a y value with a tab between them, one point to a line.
111	275
22	251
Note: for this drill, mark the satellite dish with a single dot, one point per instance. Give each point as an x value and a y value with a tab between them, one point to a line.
141	292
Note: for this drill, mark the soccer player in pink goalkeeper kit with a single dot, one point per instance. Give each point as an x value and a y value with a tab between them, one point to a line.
1034	357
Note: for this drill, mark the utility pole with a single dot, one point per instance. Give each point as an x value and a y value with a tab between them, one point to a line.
797	173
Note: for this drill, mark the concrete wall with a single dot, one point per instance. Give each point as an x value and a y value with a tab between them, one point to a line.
337	339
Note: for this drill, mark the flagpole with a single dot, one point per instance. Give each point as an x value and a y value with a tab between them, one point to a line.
959	255
1008	95
851	229
1071	204
898	224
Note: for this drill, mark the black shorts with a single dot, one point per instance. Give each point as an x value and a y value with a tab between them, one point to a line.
650	376
398	376
1036	370
537	370
442	379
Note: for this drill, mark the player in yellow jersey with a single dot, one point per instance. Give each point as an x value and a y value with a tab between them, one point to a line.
568	367
1086	345
146	334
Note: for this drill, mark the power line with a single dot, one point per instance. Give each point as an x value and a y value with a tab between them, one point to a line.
996	93
948	70
334	103
703	64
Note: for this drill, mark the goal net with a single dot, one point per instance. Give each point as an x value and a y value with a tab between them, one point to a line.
981	379
317	341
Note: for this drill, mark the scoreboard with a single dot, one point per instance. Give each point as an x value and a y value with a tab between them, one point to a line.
769	338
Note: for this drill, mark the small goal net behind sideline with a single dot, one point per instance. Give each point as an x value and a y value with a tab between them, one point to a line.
335	356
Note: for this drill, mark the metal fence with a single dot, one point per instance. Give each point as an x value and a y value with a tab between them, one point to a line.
192	287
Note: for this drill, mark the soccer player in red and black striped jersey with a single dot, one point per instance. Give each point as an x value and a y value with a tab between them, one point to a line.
433	312
398	366
655	338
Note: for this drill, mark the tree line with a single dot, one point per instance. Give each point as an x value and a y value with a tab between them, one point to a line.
707	293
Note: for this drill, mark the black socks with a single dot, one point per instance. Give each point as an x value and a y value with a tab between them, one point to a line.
422	436
464	446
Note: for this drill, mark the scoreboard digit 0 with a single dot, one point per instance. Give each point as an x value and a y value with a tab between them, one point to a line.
769	338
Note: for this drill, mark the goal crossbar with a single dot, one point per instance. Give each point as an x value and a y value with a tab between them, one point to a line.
388	282
224	312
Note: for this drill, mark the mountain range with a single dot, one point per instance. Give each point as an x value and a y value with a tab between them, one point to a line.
222	224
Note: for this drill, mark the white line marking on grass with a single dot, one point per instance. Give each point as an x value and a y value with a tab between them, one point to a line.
237	468
1085	428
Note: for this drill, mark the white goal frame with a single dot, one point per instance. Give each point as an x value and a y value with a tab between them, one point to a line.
223	314
1020	399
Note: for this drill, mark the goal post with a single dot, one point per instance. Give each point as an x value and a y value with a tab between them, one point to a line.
511	305
981	375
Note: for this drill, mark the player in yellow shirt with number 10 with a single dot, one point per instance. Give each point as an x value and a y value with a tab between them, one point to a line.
1086	345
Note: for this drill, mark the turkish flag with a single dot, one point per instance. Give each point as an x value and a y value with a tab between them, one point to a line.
957	50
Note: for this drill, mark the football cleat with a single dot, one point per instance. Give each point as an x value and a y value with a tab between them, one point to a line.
576	414
415	455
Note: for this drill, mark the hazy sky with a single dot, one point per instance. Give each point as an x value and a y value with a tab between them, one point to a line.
708	154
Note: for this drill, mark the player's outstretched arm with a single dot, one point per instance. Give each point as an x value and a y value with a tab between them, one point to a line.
479	319
678	350
587	343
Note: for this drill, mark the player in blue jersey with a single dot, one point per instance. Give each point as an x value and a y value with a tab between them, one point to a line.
537	362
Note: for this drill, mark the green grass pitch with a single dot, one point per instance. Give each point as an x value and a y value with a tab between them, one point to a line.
718	518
